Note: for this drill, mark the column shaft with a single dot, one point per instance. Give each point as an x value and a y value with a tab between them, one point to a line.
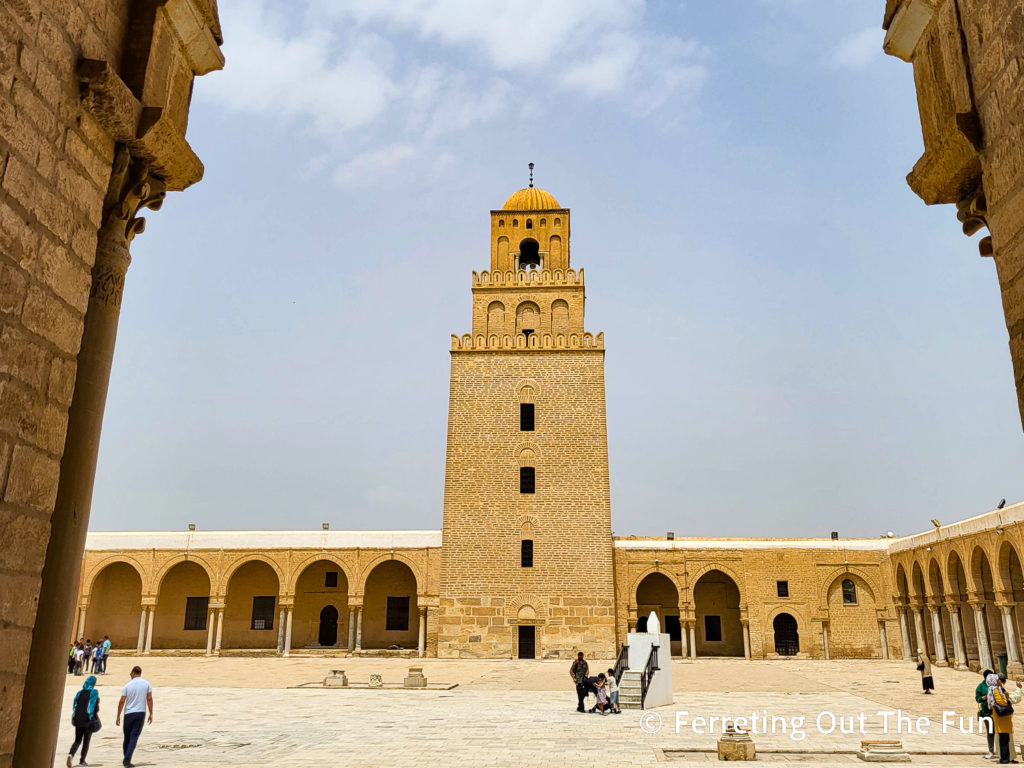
288	632
359	628
421	645
351	630
984	649
149	629
81	623
746	640
693	642
280	631
220	630
905	633
824	639
1010	633
142	632
210	620
882	640
940	643
922	638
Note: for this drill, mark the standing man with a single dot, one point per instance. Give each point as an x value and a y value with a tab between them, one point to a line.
578	672
136	696
106	652
985	714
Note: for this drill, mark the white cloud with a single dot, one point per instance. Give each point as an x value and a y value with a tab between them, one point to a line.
857	51
353	73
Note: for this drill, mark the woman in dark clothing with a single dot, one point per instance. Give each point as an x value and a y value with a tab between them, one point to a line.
924	666
85	717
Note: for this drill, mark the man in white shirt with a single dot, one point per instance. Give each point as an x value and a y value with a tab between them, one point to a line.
136	696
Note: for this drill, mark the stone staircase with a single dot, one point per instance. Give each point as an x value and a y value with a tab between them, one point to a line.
629	690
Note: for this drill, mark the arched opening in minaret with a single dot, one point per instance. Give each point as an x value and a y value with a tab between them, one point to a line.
529	254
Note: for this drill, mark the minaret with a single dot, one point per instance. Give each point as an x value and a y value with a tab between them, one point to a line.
526	561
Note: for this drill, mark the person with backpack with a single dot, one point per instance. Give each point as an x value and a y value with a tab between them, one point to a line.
578	672
1000	703
85	716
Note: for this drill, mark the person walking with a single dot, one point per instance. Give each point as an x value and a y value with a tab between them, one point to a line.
79	656
924	666
1000	702
136	697
97	659
85	716
578	672
985	714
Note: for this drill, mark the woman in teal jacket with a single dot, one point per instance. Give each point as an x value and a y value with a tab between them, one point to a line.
85	710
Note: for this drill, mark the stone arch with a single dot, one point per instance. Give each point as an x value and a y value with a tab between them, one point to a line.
186	580
495	318
211	572
514	609
555	252
147	589
413	566
985	590
344	567
527	317
917	584
902	585
1008	565
527	390
390	605
115	603
958	587
866	580
936	586
252	581
718	566
659	592
313	596
786	633
248	558
717	603
853	627
559	316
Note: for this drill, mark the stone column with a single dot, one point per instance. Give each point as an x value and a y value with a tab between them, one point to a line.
883	640
684	638
984	649
422	644
746	640
210	621
81	622
149	629
280	631
142	631
220	630
130	188
957	636
824	639
904	632
940	643
1010	634
288	632
693	640
922	637
351	629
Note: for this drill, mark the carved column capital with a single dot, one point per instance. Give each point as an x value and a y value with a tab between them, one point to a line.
972	212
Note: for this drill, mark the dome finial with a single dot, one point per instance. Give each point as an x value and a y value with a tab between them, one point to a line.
531	174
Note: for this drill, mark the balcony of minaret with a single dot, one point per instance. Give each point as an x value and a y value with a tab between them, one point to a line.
533	278
531	342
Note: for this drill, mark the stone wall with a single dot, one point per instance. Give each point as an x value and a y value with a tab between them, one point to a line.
77	81
967	57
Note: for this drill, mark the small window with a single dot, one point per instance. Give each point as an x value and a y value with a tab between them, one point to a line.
526	553
501	222
529	223
196	609
398	614
849	592
712	629
783	588
527	480
331	579
263	612
543	222
515	222
526	417
558	222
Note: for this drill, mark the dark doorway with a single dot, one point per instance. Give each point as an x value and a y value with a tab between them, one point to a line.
529	254
527	641
328	626
787	638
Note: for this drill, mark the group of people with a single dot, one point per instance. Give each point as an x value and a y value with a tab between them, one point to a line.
136	698
995	713
604	687
84	654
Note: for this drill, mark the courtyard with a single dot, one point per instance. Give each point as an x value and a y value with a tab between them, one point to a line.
235	711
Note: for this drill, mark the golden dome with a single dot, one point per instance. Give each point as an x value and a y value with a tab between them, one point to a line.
531	199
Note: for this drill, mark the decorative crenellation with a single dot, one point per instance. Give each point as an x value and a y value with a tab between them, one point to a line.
532	277
468	342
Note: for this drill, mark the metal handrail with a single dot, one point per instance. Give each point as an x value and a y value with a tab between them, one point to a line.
622	663
649	669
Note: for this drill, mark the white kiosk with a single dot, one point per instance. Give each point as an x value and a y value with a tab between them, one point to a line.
659	692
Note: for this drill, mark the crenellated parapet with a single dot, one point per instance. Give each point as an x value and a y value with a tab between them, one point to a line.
469	343
532	278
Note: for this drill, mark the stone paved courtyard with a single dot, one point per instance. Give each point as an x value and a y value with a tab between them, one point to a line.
242	711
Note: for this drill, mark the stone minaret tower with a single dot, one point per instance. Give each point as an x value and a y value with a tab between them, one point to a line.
526	563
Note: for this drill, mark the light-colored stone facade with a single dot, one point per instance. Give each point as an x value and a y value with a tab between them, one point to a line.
472	592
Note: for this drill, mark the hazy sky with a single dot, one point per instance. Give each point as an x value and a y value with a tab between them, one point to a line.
795	343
